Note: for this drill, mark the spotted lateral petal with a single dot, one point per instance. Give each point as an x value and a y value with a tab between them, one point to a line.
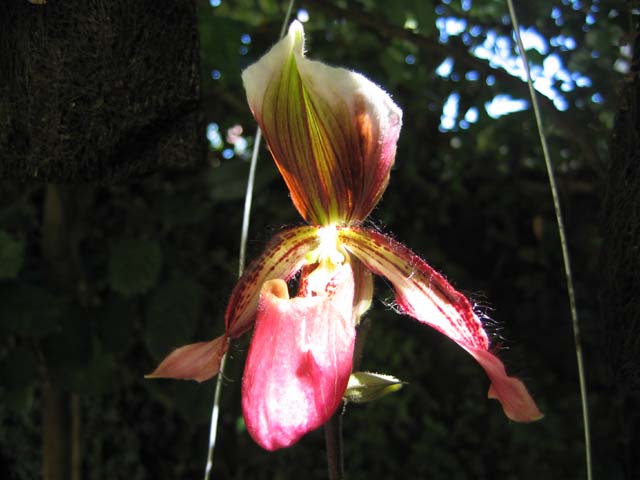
299	360
332	132
424	294
282	258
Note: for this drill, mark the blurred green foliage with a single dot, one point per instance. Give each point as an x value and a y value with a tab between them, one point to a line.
158	259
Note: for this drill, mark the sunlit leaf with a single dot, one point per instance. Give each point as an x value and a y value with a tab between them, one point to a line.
364	387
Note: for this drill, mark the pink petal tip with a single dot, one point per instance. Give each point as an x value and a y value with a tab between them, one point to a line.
517	403
197	361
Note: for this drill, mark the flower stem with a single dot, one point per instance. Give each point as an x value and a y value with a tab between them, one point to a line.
333	440
333	428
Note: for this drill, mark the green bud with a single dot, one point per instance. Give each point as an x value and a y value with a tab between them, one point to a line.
365	387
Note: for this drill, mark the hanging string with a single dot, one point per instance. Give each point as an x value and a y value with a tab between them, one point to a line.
244	235
563	242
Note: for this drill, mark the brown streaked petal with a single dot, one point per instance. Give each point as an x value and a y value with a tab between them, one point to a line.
425	295
282	258
332	132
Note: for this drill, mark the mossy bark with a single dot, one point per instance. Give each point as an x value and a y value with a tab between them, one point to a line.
98	91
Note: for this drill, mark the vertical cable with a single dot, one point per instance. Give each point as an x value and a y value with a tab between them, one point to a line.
246	216
563	242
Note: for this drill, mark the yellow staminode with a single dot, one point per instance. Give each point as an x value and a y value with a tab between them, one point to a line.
328	251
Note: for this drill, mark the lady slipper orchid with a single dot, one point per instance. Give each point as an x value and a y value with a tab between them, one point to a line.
332	134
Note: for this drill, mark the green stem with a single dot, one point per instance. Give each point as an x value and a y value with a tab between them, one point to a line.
333	428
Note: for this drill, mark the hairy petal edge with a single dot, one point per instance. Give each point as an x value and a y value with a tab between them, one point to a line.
425	295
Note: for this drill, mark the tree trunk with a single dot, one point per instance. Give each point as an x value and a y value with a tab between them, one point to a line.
56	424
55	434
620	267
98	91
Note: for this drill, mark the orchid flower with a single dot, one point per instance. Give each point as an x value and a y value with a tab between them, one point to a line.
332	134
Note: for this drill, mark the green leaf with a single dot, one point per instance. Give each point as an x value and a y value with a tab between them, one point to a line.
221	39
425	14
28	310
19	400
172	315
115	325
18	369
101	374
365	387
420	13
11	256
134	266
68	351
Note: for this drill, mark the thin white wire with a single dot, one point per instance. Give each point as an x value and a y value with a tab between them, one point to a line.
563	243
244	236
246	216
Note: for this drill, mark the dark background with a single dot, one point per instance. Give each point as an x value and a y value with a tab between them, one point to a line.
136	252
